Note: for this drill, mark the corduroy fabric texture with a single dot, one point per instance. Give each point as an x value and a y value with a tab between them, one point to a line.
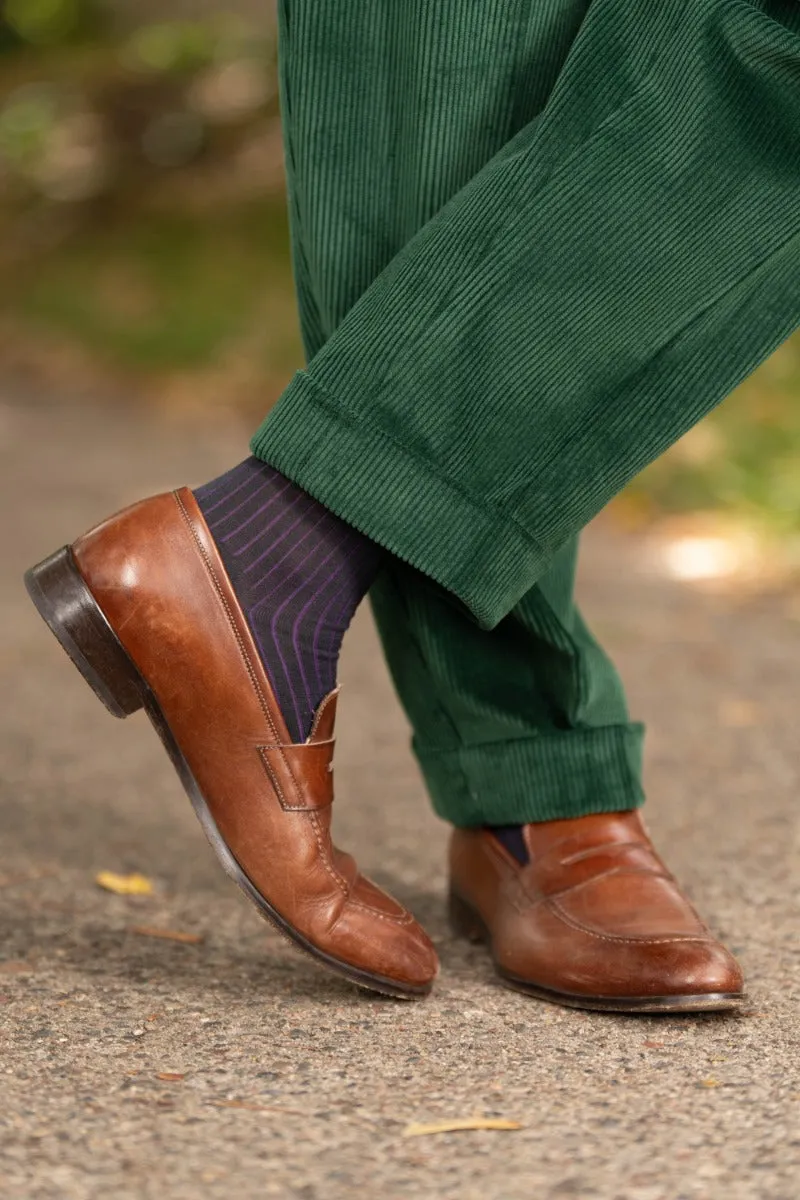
533	242
526	722
589	294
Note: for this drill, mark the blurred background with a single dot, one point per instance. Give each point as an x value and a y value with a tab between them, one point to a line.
144	254
166	1044
144	241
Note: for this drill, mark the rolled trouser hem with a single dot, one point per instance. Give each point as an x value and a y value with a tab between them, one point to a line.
398	499
542	778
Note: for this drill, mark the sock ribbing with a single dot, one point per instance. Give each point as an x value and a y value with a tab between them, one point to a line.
299	574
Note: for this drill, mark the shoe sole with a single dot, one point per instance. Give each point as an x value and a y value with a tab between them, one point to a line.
466	922
65	603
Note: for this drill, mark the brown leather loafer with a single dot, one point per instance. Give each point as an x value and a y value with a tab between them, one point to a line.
593	920
144	608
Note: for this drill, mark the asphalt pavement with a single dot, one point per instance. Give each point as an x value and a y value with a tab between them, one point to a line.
227	1064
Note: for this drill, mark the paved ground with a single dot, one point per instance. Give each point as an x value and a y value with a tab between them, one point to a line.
293	1083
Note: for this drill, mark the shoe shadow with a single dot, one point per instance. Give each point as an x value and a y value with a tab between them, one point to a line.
243	957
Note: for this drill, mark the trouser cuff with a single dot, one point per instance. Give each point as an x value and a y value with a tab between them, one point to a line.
541	778
418	513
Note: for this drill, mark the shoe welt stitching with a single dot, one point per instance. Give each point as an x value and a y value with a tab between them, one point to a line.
613	937
325	857
405	917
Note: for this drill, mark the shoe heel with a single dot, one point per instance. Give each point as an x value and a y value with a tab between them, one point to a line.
464	921
63	600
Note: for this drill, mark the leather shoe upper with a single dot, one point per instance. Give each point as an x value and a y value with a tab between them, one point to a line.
594	912
155	572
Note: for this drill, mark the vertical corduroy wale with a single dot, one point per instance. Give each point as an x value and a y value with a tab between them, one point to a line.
534	243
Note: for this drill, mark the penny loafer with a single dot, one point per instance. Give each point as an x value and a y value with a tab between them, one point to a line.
143	606
593	920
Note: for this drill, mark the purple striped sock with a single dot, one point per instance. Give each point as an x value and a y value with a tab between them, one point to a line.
299	574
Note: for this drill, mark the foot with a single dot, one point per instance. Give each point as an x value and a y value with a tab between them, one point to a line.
592	920
146	610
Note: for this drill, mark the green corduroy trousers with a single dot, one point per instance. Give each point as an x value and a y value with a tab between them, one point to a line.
534	241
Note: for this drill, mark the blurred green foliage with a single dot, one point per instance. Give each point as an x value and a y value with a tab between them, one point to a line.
744	459
143	214
88	111
45	22
173	290
141	192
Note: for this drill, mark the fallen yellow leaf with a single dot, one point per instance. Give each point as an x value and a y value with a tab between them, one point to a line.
710	1083
170	1076
171	935
124	885
414	1130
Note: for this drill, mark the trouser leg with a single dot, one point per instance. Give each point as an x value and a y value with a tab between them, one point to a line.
599	285
528	722
524	722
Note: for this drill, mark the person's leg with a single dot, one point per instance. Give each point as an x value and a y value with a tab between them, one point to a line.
136	600
267	529
217	612
528	723
597	287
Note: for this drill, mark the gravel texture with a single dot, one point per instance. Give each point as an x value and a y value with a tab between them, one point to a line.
288	1082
